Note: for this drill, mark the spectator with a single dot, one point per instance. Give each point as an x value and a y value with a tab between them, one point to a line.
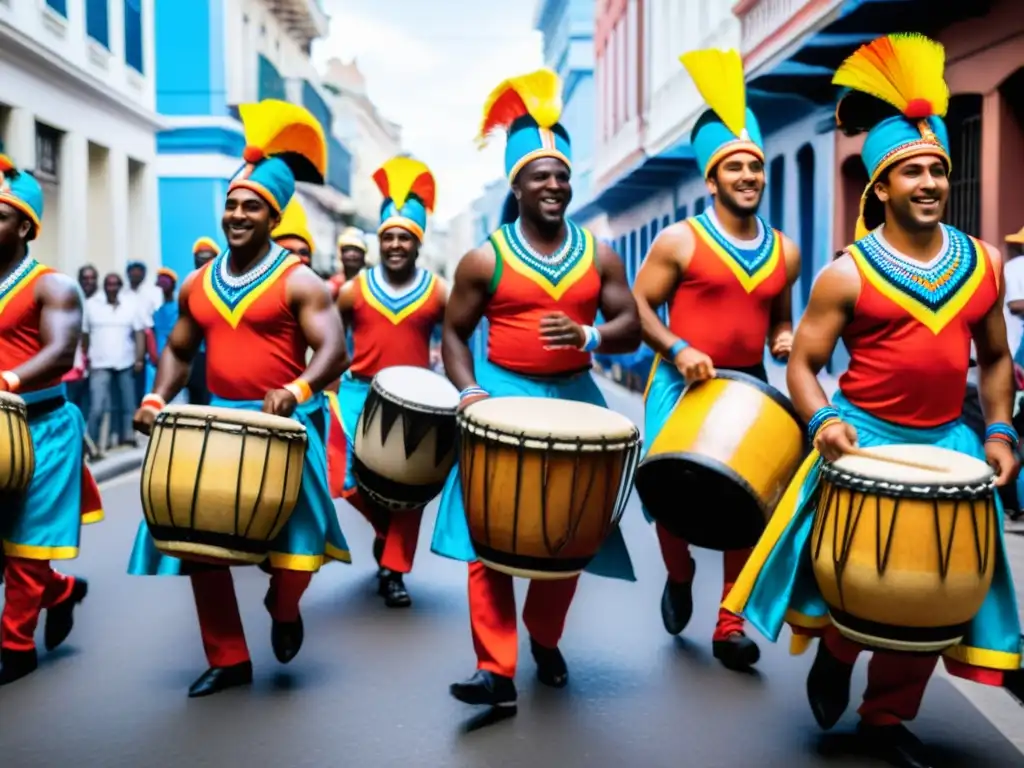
204	251
1013	308
115	346
147	297
164	319
76	381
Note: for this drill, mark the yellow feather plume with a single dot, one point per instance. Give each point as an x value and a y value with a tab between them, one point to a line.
906	70
294	223
538	94
275	127
718	76
400	176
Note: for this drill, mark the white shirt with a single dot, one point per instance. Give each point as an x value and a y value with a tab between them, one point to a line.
147	297
111	331
1013	276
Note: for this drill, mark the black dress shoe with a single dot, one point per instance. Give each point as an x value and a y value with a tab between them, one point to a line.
15	665
828	687
394	591
551	668
677	604
486	689
60	618
895	745
737	652
285	636
217	679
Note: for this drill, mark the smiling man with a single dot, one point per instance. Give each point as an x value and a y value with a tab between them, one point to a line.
540	281
907	298
259	310
392	310
726	276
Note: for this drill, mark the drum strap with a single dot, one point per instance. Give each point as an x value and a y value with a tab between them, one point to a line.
43	407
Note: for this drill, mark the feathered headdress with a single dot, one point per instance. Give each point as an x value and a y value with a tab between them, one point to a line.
728	126
21	191
898	94
294	224
205	244
284	144
409	193
527	108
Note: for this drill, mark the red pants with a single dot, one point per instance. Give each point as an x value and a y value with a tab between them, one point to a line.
31	587
217	608
492	616
676	553
400	531
896	681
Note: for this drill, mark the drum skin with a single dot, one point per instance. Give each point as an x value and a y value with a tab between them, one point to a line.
878	561
722	461
539	508
17	456
219	485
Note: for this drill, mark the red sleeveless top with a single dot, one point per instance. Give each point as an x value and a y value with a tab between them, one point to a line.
20	340
910	336
722	305
524	289
253	341
389	329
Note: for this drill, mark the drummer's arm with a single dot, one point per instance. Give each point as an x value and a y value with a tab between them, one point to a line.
322	327
621	332
781	317
995	363
467	303
60	322
828	311
182	345
657	279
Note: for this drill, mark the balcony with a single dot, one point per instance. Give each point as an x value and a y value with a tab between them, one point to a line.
304	20
770	28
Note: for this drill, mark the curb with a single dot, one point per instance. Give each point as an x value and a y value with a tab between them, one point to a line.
115	466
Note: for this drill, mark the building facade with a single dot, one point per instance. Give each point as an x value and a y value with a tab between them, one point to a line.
77	107
213	55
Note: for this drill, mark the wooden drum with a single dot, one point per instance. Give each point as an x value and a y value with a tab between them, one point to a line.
544	482
721	463
904	557
218	484
17	456
405	438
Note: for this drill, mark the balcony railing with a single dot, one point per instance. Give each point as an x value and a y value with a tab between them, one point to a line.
303	19
769	26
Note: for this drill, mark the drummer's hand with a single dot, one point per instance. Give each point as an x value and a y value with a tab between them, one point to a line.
782	345
558	331
1002	458
694	365
465	402
836	440
143	420
280	402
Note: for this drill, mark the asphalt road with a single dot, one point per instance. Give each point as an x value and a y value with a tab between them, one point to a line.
370	686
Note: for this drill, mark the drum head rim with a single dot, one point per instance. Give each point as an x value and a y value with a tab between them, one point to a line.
409	405
764	387
851	481
235	417
557	444
182	421
9	401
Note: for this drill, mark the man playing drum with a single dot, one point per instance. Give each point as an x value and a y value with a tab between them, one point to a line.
40	321
392	310
539	281
907	298
259	310
727	277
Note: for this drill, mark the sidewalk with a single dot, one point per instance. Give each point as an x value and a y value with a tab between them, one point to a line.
117	462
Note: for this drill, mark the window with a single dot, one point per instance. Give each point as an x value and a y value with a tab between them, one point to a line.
60	6
97	24
777	192
698	206
681	213
133	34
47	152
271	84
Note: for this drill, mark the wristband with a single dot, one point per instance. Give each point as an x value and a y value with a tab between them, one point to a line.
12	380
824	416
300	389
675	349
153	402
473	391
1000	430
592	338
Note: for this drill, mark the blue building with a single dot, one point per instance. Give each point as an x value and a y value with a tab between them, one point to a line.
212	55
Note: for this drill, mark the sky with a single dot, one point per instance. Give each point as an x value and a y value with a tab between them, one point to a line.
429	66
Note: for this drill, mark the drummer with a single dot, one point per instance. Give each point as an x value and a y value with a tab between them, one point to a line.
907	298
40	321
230	303
292	233
351	258
392	310
539	281
727	278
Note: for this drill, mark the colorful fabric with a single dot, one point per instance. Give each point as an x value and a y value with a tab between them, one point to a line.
294	224
21	191
778	586
410	192
451	532
312	535
164	320
46	520
526	287
20	336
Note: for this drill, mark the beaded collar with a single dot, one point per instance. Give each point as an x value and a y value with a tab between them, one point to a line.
749	260
233	288
24	267
553	267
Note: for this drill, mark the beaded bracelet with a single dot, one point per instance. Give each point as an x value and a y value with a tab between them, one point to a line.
473	391
675	349
824	416
1000	430
592	340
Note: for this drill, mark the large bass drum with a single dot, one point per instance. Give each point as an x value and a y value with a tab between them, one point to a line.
219	485
904	557
544	482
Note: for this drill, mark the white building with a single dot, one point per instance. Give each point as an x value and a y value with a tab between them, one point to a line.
77	106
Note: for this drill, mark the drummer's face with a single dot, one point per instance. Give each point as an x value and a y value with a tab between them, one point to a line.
915	192
398	249
14	228
738	183
248	219
544	190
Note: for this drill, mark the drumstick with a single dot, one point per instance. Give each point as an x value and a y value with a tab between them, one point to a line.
893	460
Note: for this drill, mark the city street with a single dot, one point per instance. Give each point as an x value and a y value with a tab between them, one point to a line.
370	686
